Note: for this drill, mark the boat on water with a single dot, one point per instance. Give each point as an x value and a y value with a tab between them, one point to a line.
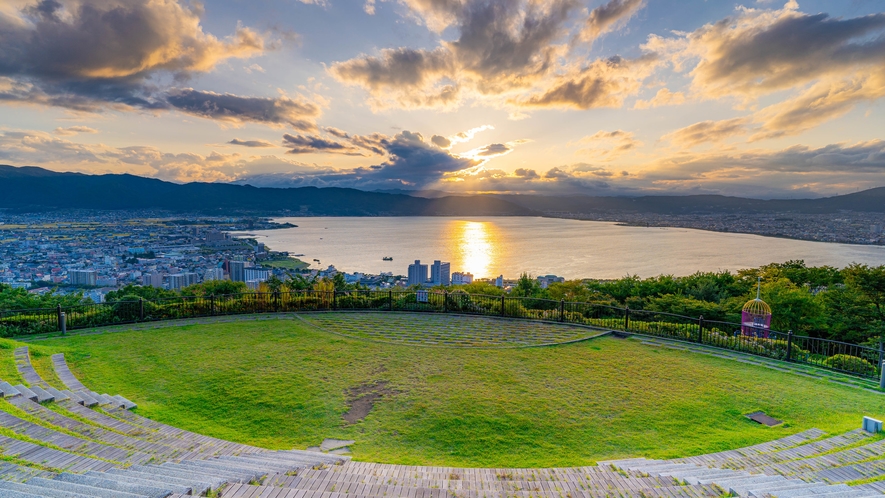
316	260
387	258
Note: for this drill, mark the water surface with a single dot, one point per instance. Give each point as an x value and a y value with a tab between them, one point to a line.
492	246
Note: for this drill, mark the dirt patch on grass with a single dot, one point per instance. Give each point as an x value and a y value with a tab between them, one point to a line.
361	399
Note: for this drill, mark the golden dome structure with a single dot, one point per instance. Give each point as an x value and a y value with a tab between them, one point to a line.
756	315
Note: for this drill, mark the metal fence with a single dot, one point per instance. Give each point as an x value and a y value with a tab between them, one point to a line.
834	355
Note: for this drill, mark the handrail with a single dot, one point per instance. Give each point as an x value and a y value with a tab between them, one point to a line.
834	355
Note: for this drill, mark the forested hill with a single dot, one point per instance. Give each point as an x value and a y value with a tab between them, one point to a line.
872	200
37	188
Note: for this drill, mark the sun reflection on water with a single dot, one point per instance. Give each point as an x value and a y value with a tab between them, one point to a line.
476	247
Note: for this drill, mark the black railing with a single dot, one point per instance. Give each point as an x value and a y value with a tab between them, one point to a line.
834	355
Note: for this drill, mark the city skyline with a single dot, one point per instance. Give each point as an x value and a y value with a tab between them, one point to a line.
617	97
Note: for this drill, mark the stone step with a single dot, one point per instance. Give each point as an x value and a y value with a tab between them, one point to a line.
16	489
27	393
115	485
774	489
7	391
73	396
824	489
42	395
79	488
86	399
237	473
125	403
197	486
58	395
197	476
135	481
278	464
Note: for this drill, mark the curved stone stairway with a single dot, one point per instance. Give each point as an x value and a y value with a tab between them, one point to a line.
92	445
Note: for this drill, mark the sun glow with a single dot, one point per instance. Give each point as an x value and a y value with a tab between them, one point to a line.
476	247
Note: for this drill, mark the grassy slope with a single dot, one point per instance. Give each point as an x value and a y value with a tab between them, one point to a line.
280	384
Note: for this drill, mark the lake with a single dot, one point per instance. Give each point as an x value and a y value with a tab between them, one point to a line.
509	246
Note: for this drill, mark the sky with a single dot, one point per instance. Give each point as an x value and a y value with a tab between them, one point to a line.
768	99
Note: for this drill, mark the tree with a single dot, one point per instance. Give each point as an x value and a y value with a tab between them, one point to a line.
870	283
526	286
215	288
143	292
793	308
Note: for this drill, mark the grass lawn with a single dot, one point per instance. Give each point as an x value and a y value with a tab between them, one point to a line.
286	384
287	264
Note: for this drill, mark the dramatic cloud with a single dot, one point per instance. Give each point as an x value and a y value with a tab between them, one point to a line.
88	55
231	108
502	47
604	83
301	144
251	143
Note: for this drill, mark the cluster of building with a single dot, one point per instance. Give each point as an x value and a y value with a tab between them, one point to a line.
104	251
849	227
440	274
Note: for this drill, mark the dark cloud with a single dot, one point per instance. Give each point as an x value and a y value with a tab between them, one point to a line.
226	107
311	144
528	174
492	150
441	142
88	55
608	16
756	52
603	83
251	143
501	46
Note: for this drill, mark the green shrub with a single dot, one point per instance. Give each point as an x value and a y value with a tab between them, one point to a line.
850	363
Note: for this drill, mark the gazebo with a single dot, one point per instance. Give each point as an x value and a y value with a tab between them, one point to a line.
756	316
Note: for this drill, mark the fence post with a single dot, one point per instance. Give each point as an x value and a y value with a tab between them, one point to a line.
141	309
881	351
789	345
701	329
58	316
212	304
335	299
390	300
445	300
502	305
626	318
562	310
64	323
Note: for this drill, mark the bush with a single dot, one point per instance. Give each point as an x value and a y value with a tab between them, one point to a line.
848	363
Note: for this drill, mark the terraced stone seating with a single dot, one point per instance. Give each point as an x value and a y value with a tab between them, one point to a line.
71	450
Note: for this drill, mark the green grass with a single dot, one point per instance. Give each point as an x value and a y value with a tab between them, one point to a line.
283	384
287	264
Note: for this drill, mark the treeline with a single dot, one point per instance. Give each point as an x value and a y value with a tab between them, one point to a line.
842	304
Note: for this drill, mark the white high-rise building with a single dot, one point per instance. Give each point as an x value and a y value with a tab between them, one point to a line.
152	279
259	274
213	274
462	278
417	273
181	280
439	273
82	277
499	282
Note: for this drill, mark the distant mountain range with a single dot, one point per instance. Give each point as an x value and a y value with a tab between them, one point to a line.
32	188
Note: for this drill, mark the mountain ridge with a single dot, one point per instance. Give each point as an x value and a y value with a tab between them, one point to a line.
31	187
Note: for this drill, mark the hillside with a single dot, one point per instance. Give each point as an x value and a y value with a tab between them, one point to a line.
32	188
37	188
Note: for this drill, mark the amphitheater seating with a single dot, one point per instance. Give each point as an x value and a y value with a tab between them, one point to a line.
57	446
